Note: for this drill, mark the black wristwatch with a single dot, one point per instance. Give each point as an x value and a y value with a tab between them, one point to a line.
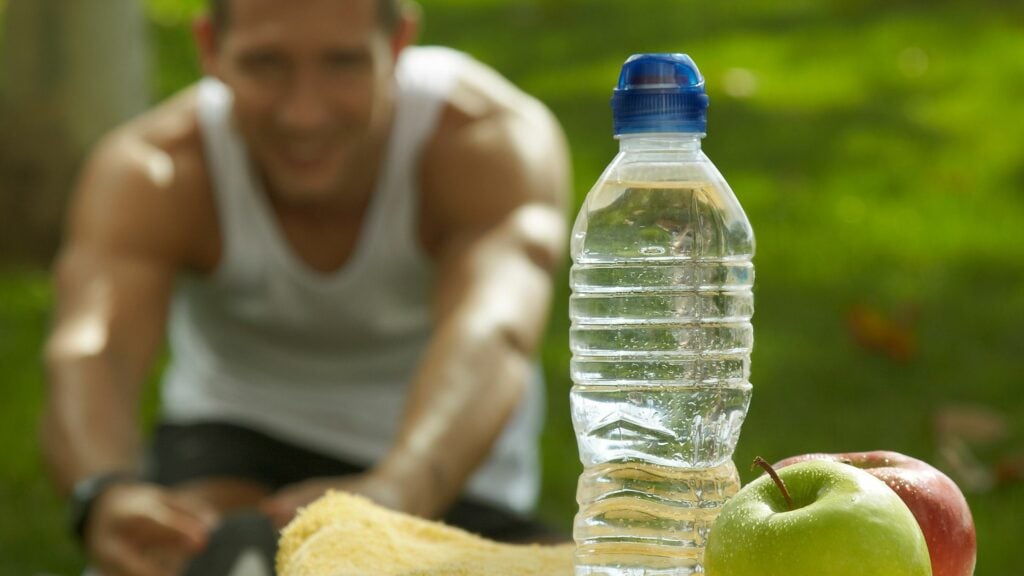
86	492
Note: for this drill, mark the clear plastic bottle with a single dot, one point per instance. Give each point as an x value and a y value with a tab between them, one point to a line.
661	336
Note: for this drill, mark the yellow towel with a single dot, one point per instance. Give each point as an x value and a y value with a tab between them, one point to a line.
346	535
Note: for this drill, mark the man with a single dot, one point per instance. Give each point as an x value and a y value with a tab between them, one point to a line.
350	242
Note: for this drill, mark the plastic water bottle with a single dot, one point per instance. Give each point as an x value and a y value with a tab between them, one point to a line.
661	337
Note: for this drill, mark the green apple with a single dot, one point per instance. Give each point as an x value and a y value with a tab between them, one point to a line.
816	518
936	501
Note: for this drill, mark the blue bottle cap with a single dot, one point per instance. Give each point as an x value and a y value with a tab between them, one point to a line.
659	93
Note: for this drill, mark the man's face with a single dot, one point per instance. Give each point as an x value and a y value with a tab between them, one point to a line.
312	85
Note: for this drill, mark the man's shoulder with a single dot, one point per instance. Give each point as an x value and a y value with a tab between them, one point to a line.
496	148
170	130
473	96
152	170
486	113
479	93
161	148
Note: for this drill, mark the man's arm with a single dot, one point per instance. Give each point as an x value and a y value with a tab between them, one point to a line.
496	189
493	304
112	280
124	245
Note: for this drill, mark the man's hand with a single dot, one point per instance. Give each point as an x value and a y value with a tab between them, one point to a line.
283	505
146	530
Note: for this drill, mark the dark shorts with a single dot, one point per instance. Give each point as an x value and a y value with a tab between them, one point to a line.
181	453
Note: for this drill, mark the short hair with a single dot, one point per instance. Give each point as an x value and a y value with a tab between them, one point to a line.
389	12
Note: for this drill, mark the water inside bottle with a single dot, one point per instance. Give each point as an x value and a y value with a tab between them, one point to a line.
650	220
689	426
665	512
661	340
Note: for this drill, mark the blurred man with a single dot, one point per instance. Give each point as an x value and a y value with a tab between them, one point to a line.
350	243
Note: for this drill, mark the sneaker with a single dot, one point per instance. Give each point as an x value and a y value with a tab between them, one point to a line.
244	544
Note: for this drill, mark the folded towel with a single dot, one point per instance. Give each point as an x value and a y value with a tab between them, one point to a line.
346	535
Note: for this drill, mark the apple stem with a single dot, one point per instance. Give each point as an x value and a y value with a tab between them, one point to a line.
762	463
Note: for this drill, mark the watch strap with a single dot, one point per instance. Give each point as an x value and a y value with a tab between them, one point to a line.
85	494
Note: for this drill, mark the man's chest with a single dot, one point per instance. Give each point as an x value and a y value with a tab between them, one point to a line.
323	245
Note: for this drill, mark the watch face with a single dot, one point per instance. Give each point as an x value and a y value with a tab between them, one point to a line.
84	488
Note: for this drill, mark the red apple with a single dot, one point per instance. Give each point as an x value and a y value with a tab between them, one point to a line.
935	500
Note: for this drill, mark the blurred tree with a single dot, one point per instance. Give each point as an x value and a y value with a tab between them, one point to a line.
73	69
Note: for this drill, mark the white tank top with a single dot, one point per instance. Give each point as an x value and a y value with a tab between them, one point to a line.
325	360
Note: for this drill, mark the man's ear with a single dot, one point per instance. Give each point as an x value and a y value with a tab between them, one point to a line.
406	29
206	38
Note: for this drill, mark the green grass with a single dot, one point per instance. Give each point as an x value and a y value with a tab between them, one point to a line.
880	159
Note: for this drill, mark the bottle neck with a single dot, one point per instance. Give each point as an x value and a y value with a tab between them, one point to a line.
679	142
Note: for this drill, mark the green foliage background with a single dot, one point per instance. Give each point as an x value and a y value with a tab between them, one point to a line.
878	149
